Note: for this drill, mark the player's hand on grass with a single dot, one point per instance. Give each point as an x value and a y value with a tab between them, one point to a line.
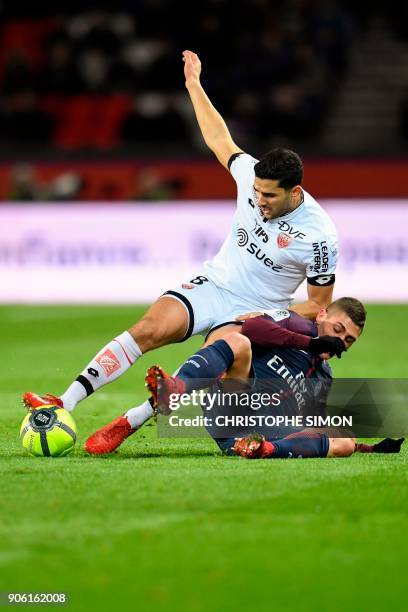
389	445
249	315
327	344
253	446
249	447
192	67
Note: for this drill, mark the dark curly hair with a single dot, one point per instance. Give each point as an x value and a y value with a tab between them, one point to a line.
281	165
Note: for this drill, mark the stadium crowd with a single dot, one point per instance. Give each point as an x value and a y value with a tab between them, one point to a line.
65	75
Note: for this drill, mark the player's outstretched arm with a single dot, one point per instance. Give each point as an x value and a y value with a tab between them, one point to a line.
318	298
213	127
265	332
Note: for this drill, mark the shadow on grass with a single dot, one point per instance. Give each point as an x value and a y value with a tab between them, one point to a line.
153	454
122	455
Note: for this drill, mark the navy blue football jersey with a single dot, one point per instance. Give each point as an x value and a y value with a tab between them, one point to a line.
303	379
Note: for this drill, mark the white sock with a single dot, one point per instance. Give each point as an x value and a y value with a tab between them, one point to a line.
140	414
110	363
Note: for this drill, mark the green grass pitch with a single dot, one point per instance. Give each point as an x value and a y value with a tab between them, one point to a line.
171	524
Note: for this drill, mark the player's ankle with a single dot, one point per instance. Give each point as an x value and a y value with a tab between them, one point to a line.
139	415
68	405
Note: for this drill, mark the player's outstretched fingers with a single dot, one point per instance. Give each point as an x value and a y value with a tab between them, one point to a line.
192	67
188	57
190	54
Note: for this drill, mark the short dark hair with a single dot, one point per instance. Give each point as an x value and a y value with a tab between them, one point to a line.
281	165
352	307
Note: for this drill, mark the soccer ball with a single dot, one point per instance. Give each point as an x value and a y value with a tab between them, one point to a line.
49	431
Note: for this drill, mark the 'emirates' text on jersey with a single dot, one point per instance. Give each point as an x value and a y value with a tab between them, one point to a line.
265	262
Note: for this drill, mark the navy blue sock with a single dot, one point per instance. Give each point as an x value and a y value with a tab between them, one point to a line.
301	445
207	364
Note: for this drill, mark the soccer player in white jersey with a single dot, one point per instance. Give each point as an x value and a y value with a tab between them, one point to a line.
279	237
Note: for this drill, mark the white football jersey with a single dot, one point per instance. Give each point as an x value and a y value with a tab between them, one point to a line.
264	261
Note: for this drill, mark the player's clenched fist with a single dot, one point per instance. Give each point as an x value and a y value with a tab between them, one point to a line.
192	67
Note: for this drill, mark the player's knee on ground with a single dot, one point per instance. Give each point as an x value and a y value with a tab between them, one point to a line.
341	447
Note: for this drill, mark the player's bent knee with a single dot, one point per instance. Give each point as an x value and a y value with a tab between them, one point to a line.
145	334
341	447
239	344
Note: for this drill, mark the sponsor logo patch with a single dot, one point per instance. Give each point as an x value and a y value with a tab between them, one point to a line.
242	237
42	418
283	240
260	232
322	281
188	286
279	315
109	362
321	257
253	249
290	231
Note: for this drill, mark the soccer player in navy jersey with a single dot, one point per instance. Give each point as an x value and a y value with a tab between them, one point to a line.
283	348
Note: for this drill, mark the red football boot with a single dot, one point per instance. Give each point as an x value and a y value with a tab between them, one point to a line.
108	438
254	446
32	401
161	386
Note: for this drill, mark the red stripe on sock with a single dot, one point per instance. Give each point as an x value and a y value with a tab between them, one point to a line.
364	448
123	349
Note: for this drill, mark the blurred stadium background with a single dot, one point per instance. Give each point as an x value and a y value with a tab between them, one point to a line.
93	110
109	196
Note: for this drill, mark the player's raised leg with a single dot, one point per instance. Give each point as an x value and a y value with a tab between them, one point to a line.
209	363
166	321
227	357
138	415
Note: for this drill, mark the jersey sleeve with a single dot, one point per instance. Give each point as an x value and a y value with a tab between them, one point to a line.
301	325
267	333
292	321
241	166
322	261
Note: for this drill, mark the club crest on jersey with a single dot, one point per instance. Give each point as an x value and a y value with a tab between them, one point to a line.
283	240
109	362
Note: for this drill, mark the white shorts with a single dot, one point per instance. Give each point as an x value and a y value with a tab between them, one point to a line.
208	306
